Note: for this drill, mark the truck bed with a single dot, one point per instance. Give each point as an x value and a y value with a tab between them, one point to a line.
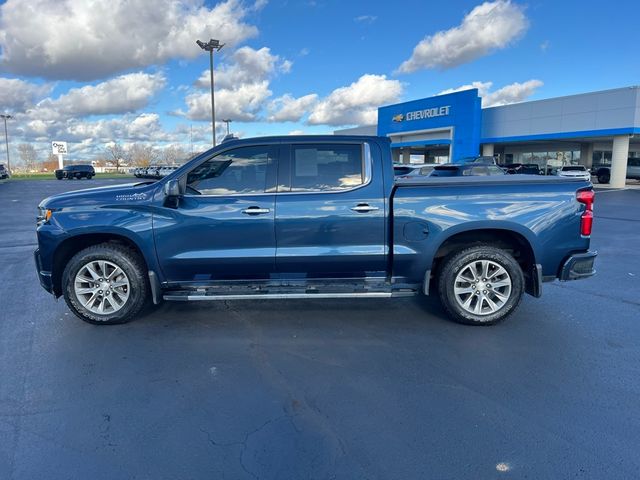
486	180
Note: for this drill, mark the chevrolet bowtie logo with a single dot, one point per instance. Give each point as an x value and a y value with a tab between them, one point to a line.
398	118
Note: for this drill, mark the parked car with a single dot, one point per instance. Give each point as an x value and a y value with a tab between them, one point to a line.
4	173
313	217
407	171
464	170
574	171
166	170
75	171
522	169
484	159
633	171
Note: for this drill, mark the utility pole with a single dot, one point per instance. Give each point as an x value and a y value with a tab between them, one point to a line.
6	139
210	47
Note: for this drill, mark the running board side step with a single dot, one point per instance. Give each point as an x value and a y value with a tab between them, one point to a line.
195	296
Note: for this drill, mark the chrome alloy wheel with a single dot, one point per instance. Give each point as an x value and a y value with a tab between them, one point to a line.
482	287
102	287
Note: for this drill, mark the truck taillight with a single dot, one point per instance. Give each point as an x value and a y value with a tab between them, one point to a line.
587	197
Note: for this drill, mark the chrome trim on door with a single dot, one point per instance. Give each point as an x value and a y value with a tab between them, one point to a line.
255	211
364	208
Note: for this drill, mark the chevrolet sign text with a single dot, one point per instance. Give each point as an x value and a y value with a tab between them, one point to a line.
428	113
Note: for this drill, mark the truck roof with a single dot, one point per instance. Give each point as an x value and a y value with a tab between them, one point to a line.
317	138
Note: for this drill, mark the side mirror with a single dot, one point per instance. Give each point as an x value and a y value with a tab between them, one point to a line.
172	188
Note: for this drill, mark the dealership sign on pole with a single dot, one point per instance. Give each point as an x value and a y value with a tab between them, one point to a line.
59	149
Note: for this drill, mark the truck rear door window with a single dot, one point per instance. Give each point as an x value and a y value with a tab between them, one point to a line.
326	168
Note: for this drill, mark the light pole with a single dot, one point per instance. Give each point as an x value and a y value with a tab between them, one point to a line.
227	121
210	47
4	116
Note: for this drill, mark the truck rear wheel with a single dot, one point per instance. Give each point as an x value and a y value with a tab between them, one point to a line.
106	284
480	285
603	179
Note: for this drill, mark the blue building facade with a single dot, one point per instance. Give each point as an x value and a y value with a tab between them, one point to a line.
593	129
453	120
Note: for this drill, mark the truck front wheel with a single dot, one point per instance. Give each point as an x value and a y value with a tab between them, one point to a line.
480	285
106	284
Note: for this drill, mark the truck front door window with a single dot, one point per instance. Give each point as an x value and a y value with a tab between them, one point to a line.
239	171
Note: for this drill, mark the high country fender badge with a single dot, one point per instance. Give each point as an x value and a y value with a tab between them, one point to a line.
131	196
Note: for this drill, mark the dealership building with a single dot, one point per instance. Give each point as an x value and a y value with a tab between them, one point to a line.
591	129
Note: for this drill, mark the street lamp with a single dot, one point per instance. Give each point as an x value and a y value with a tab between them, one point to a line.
210	47
4	116
227	121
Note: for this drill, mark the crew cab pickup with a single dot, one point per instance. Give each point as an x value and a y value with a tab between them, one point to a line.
312	217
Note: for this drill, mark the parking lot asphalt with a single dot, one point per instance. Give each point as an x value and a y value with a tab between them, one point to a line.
345	389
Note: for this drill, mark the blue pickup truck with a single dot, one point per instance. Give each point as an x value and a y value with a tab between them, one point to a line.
312	217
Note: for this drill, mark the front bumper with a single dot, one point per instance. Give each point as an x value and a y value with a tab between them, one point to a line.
43	276
578	265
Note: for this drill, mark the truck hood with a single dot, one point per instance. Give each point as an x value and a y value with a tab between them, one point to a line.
122	194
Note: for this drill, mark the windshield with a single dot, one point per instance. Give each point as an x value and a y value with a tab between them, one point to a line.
576	168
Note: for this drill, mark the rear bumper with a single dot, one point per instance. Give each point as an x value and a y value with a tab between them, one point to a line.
43	277
578	265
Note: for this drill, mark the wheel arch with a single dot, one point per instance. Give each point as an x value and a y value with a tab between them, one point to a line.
72	245
511	240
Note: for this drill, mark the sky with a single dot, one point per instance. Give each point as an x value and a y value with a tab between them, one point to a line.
129	71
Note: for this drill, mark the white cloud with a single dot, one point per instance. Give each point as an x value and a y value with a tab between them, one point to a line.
123	94
513	93
128	128
289	109
366	18
488	27
81	40
246	65
356	104
483	88
16	94
242	86
241	104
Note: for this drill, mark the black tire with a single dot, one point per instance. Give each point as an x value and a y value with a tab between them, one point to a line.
89	177
603	179
132	265
454	264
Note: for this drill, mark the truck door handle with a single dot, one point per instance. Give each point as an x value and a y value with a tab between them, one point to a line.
364	208
255	211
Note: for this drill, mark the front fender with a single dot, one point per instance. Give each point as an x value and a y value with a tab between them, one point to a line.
134	225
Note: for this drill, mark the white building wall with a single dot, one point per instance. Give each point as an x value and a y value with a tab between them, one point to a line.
609	109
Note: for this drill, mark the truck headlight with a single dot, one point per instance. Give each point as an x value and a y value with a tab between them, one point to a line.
44	214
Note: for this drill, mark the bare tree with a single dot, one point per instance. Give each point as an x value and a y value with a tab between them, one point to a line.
142	155
51	163
173	155
117	155
28	155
